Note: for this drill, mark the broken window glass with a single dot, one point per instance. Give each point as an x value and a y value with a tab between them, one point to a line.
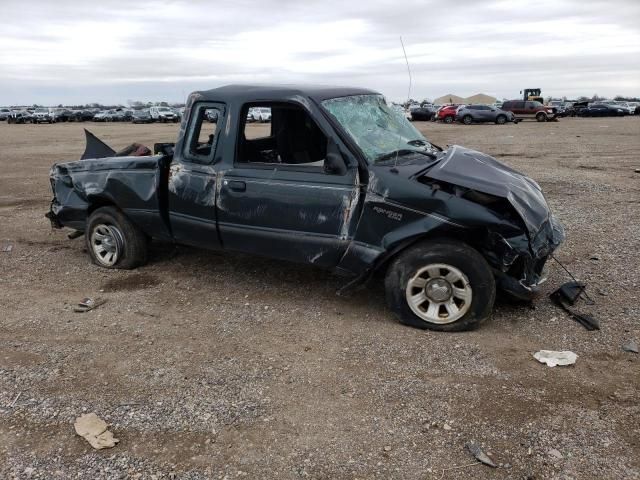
374	126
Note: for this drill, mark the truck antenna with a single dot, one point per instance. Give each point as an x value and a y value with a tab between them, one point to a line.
406	59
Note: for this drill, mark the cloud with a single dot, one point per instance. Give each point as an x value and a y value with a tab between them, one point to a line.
76	51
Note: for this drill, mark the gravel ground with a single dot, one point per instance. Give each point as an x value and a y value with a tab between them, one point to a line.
217	365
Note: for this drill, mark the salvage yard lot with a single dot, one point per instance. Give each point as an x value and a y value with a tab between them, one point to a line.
210	364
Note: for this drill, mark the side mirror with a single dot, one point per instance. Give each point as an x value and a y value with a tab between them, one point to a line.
334	162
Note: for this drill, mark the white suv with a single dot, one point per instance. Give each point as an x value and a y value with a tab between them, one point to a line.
163	114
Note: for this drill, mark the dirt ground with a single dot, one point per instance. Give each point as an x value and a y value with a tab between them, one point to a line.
217	365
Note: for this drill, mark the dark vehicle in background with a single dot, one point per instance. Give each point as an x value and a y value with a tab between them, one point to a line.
339	181
560	106
530	110
469	114
62	115
81	116
574	109
602	110
422	114
446	113
4	113
20	116
141	116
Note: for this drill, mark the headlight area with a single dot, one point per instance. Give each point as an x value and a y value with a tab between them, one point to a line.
519	264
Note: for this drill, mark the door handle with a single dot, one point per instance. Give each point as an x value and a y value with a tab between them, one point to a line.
236	185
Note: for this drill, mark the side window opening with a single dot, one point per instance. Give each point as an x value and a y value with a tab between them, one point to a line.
281	133
203	129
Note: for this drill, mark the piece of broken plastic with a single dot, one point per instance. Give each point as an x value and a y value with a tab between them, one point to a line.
94	430
553	358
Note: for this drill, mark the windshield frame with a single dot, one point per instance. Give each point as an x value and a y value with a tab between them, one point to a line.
401	145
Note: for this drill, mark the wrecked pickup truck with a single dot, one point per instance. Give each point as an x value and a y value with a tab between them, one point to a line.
338	179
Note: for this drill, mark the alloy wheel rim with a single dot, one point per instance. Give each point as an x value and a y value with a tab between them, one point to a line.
439	293
106	242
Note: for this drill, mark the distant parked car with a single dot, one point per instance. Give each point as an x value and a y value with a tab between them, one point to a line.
20	116
212	115
163	114
43	115
104	116
625	106
447	113
602	110
469	114
4	113
261	114
81	116
560	106
573	109
530	109
142	116
425	113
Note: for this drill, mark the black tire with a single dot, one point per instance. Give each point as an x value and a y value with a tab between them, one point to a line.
450	252
541	117
131	244
467	119
448	119
501	119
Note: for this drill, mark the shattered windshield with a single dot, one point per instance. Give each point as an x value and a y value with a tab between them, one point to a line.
377	129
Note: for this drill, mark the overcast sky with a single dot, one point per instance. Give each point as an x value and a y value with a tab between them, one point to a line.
78	51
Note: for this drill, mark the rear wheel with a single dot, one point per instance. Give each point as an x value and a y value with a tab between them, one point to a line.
441	285
541	117
113	241
448	119
467	120
501	119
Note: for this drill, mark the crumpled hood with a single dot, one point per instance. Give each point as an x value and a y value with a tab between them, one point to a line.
483	173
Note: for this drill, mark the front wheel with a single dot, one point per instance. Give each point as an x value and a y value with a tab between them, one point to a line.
113	241
541	117
501	119
448	119
441	285
467	120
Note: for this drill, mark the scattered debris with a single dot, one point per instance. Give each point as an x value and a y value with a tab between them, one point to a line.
88	304
446	426
477	452
637	170
94	430
459	467
594	257
630	346
553	358
387	448
7	248
18	396
566	296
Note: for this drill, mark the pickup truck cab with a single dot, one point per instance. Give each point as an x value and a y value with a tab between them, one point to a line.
338	180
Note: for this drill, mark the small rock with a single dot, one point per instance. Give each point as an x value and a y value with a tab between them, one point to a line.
555	453
630	346
477	452
446	426
387	448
